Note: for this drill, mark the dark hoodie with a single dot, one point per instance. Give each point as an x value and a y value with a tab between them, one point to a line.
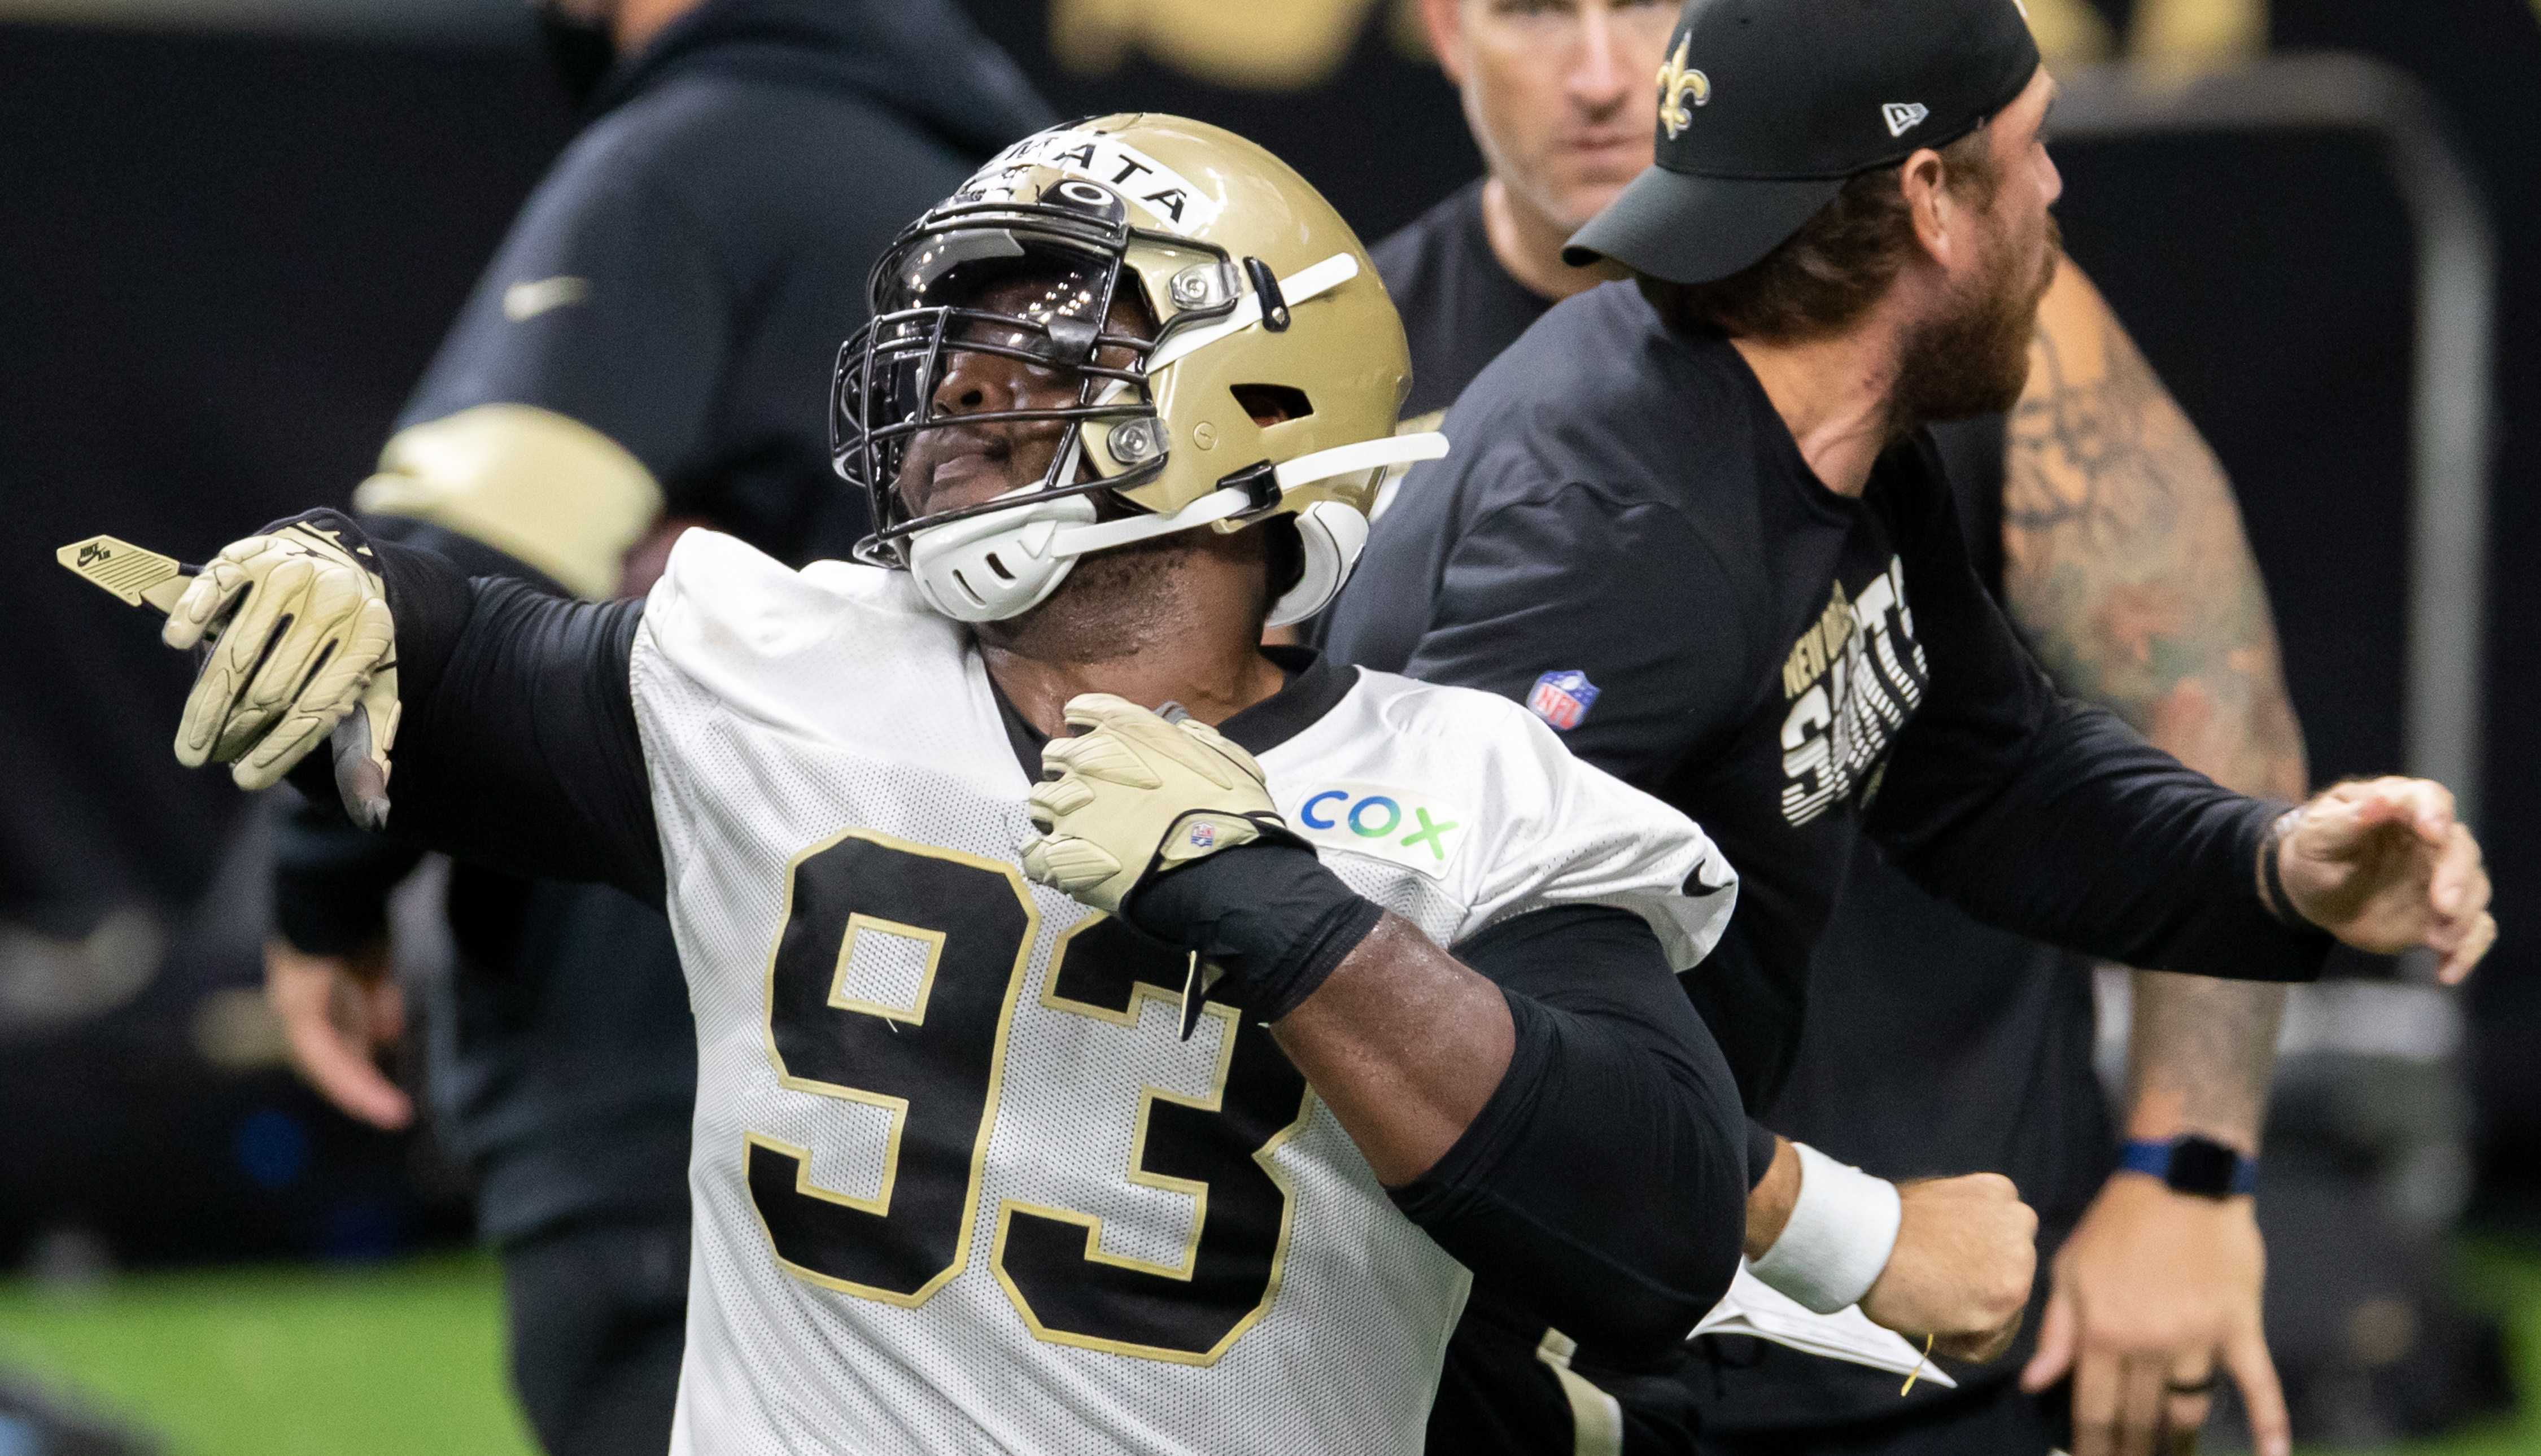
722	209
738	178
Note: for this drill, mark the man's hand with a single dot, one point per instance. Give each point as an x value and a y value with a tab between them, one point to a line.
1134	796
304	640
2383	865
2155	1294
1966	1250
337	1011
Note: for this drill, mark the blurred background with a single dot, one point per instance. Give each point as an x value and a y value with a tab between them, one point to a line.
231	231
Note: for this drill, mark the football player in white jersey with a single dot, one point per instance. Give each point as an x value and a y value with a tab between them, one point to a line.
1311	989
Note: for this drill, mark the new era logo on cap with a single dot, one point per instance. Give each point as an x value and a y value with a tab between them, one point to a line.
1904	116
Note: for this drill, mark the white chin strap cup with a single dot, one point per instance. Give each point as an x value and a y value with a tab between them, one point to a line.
998	564
1003	563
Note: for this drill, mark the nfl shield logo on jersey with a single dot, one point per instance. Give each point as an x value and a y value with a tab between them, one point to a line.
1562	698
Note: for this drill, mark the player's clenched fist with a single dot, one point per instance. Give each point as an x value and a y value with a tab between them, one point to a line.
301	635
1966	1251
1134	796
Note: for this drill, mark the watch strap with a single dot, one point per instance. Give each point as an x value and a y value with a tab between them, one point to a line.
2192	1165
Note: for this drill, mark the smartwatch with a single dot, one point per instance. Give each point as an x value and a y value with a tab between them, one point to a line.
2193	1165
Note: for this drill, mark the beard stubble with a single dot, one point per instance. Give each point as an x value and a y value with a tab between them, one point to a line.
1973	358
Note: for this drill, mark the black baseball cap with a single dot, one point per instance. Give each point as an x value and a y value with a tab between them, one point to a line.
1766	107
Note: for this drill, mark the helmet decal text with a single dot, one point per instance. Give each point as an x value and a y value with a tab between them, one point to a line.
1156	189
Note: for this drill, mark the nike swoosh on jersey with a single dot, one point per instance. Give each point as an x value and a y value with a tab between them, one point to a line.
528	299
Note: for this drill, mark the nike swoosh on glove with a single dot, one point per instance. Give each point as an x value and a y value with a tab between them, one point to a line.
1136	796
302	641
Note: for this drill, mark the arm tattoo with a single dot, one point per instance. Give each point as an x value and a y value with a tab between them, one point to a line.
2126	565
2199	1054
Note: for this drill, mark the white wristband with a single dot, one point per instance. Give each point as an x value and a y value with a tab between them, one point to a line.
1842	1228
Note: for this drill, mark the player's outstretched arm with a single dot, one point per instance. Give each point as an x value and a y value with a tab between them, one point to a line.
511	728
1585	1145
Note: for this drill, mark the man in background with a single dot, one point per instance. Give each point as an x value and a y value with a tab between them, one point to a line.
647	351
2107	529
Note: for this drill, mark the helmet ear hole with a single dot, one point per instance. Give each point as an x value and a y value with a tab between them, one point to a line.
1271	403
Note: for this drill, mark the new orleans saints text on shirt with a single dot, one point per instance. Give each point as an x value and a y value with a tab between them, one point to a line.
1853	679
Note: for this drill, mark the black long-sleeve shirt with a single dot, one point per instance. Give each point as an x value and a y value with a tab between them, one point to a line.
1627	537
1607	1175
1934	1045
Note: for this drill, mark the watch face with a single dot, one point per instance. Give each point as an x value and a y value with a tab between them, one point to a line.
2201	1166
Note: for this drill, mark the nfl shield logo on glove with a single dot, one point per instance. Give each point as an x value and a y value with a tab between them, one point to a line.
1562	698
1204	835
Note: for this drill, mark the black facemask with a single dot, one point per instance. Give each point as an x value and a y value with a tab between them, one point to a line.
581	52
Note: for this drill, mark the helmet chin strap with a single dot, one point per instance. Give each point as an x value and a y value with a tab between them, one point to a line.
1367	455
989	568
1232	501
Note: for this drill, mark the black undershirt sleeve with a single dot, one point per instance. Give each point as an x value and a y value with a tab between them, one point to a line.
1603	1189
517	748
331	879
2053	818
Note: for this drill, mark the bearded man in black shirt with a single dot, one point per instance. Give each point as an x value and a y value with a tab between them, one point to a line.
1546	560
1937	1043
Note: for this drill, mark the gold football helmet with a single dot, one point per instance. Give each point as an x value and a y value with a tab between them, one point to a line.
1263	303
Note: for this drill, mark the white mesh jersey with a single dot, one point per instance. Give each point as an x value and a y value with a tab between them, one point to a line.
959	1185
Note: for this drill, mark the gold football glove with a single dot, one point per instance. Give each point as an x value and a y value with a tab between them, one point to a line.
301	643
1136	796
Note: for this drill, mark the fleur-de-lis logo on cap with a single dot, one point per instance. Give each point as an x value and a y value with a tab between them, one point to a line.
1679	83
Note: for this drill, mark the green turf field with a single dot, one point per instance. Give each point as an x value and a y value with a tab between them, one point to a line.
384	1360
407	1359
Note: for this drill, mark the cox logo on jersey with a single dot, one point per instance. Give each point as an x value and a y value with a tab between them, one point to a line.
1409	828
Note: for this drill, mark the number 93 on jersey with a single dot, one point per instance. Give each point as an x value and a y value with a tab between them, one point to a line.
895	987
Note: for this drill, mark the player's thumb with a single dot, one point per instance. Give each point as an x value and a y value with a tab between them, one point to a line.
2057	1333
2246	1356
